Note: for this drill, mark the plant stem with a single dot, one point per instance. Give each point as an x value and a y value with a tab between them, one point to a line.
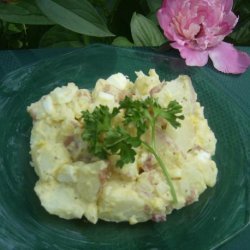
24	29
164	170
25	40
153	134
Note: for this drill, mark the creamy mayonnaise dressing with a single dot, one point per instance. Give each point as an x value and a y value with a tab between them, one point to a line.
73	183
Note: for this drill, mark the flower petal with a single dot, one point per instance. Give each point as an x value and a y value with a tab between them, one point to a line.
228	5
231	19
229	60
164	21
193	57
167	26
172	6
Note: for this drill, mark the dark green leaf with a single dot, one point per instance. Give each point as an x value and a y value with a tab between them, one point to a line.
112	5
104	139
152	16
58	36
122	41
127	155
171	113
241	33
25	12
241	36
96	124
105	8
35	33
15	28
118	142
78	16
154	5
241	8
145	32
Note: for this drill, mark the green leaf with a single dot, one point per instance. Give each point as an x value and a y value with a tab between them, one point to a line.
241	8
152	16
241	33
111	5
105	7
127	155
58	37
145	32
25	12
154	5
135	112
122	41
15	28
241	36
171	113
78	16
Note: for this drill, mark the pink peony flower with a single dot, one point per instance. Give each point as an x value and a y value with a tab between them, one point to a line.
197	29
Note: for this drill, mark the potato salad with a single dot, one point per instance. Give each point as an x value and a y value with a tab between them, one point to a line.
75	183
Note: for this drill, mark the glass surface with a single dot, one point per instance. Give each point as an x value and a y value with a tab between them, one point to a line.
221	211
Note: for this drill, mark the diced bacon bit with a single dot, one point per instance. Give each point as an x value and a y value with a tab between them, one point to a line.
159	217
156	89
74	146
104	175
68	140
191	198
148	164
163	138
163	123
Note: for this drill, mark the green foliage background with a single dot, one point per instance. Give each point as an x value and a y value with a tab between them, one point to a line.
77	23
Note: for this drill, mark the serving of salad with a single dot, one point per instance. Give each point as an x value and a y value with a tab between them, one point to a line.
122	152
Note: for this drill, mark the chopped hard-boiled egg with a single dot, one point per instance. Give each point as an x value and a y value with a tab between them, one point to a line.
73	183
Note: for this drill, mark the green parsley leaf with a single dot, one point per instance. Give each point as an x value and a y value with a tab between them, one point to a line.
97	124
170	113
106	138
136	113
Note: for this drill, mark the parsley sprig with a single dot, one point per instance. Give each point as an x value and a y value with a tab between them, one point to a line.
106	137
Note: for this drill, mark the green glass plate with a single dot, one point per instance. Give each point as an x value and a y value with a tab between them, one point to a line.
221	212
